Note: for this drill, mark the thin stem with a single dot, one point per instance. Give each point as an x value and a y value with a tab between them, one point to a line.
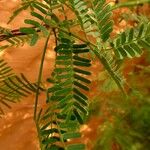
37	92
38	132
40	76
14	33
77	37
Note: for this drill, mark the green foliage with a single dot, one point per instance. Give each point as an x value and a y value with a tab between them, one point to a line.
13	87
67	104
95	21
36	25
127	129
130	42
67	95
126	123
25	4
5	71
15	42
12	38
103	14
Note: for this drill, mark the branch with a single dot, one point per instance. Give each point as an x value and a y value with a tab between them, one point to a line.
92	46
40	76
16	33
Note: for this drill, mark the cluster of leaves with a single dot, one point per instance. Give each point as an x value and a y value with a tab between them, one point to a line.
66	99
13	87
12	38
129	43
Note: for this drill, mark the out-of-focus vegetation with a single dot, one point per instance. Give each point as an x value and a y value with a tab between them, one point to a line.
126	122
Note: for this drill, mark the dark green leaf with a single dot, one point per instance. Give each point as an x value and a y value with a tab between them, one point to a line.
81	59
78	84
82	64
34	39
27	30
80	94
76	147
78	116
82	71
80	100
71	135
83	79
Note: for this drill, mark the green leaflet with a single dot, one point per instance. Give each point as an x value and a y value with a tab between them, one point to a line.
80	108
41	7
38	25
80	78
27	30
81	71
63	91
80	85
76	147
65	100
80	100
82	64
71	135
54	147
81	59
63	57
34	39
69	125
80	94
78	116
79	45
130	42
37	15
